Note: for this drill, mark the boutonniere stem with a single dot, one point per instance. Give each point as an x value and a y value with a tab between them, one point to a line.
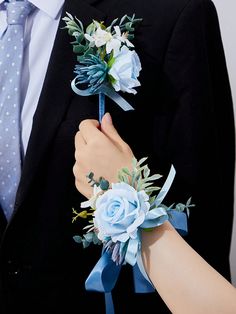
101	106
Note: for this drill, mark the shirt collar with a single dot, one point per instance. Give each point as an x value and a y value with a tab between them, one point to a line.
50	7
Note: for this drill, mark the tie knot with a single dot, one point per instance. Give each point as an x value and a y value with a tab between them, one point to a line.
17	11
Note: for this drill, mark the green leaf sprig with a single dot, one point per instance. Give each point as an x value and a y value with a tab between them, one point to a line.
81	46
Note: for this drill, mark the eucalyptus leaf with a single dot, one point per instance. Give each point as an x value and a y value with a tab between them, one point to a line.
146	172
126	171
129	27
104	184
80	24
187	211
66	19
141	161
189	202
77	238
91	28
130	37
70	16
145	185
89	51
71	31
123	19
111	25
152	189
79	38
154	177
78	48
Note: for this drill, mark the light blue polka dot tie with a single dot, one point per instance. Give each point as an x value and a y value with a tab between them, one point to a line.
11	54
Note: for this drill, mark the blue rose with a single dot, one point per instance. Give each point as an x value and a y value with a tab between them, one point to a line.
125	71
119	212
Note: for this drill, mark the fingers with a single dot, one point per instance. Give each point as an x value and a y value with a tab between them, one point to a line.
89	129
79	142
110	131
81	183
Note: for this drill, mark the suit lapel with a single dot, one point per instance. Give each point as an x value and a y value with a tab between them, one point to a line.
55	95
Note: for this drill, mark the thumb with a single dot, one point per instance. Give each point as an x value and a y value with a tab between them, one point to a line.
107	127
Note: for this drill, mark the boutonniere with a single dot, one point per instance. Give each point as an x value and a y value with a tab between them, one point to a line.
107	62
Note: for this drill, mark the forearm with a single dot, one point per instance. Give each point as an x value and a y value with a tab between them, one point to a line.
185	281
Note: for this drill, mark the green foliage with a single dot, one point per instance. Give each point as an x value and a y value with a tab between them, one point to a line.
81	46
139	178
180	207
76	30
87	238
103	183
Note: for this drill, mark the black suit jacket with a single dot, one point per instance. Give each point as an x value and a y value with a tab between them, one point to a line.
183	116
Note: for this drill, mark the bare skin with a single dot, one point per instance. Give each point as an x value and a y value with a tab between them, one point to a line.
185	281
101	151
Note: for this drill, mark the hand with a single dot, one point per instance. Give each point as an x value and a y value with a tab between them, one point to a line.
101	151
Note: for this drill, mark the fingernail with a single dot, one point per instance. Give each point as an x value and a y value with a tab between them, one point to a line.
108	118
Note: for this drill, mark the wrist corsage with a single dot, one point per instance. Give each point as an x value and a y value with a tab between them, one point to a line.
118	212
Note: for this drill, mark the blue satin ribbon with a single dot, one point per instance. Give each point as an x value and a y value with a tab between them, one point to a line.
179	221
102	90
142	284
104	275
166	186
103	278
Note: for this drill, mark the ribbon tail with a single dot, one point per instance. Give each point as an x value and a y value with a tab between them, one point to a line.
162	194
109	303
179	221
102	90
116	98
104	275
103	278
132	251
80	92
142	283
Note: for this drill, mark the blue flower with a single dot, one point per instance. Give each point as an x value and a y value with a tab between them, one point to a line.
119	212
125	71
92	71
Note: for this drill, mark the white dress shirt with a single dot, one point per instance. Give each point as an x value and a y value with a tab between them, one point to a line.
40	31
